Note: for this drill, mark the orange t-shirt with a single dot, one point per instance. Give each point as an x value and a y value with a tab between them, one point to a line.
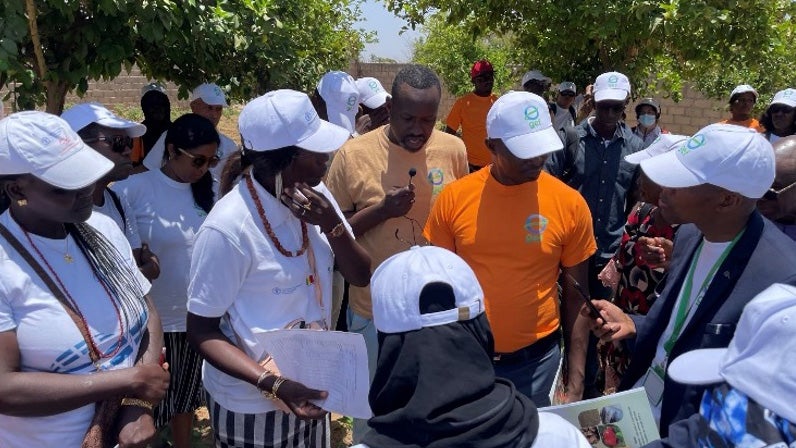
750	123
469	113
515	238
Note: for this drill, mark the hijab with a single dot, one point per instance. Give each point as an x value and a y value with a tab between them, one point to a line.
436	387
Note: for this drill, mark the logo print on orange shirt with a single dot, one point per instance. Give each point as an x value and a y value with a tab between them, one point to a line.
535	225
436	178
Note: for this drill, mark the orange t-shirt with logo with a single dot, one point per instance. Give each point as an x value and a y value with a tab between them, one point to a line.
515	238
469	113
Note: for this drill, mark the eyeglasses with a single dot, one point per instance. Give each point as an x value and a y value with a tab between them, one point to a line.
614	107
780	108
201	161
773	195
118	143
414	242
567	93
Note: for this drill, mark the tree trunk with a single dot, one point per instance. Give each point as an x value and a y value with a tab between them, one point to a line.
56	96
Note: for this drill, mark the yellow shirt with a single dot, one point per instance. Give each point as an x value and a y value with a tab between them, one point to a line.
368	166
469	112
515	238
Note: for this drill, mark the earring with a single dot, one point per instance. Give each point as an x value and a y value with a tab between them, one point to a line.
22	202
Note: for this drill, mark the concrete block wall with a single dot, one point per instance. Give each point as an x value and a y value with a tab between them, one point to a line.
684	117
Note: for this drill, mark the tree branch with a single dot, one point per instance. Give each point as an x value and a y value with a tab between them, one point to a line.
41	67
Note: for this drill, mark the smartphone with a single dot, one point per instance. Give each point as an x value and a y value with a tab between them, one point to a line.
593	311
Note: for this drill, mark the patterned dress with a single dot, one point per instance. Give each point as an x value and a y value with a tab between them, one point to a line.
637	284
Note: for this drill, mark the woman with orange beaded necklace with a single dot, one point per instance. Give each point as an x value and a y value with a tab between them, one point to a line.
263	261
80	343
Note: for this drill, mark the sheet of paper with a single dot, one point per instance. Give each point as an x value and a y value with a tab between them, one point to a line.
333	361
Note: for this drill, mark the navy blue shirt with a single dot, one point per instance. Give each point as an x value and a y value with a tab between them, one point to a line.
603	177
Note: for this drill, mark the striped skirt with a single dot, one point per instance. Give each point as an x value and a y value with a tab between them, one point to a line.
274	429
185	393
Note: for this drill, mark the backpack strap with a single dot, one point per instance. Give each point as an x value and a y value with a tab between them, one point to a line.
117	202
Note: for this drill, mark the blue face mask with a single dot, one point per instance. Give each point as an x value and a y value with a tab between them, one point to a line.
646	120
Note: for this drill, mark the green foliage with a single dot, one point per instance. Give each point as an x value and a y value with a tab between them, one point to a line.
248	46
451	50
659	44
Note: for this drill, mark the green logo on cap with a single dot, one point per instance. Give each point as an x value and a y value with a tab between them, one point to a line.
532	117
352	100
692	143
373	86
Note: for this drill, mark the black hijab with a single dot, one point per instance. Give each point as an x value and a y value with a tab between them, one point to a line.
436	388
157	117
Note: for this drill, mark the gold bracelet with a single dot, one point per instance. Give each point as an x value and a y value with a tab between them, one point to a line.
276	385
336	231
137	402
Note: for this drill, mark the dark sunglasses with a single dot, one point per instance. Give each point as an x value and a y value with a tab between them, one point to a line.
118	143
615	107
773	194
780	108
201	161
566	93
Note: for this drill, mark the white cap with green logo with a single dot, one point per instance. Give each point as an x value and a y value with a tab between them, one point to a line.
522	121
735	158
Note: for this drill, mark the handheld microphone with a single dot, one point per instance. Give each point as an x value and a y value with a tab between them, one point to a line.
412	173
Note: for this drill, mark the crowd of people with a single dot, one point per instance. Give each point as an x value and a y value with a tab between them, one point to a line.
140	261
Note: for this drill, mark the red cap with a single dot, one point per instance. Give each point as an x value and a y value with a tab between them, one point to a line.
481	67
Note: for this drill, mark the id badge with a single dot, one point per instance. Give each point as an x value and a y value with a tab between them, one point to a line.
653	385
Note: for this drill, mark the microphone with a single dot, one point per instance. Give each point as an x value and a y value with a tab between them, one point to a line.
412	173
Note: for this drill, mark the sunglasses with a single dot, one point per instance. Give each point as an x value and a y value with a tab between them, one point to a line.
567	94
118	143
614	107
773	194
780	108
201	161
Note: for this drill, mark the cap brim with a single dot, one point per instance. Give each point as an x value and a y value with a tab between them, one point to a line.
610	95
341	118
376	100
666	170
79	170
638	157
698	367
328	138
132	128
790	103
534	144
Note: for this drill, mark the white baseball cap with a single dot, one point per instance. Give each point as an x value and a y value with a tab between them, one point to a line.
156	86
743	88
371	92
611	86
341	95
534	74
209	93
522	121
397	283
786	97
83	114
44	145
282	118
664	143
760	358
732	157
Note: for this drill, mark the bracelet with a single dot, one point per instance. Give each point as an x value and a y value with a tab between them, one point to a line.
276	385
137	402
336	231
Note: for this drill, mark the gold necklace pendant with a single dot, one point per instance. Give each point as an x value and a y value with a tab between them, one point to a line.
68	258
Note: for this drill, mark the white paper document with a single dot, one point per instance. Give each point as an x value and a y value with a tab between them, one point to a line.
333	361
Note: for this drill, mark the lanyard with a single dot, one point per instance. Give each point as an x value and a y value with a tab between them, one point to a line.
684	309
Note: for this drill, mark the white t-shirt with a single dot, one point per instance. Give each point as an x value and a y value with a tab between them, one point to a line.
168	219
554	432
237	272
126	223
708	256
49	340
563	118
154	159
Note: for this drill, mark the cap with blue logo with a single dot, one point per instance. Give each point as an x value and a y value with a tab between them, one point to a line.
735	158
786	97
371	92
209	93
611	86
522	121
339	91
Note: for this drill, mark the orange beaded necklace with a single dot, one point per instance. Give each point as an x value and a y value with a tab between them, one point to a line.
305	240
